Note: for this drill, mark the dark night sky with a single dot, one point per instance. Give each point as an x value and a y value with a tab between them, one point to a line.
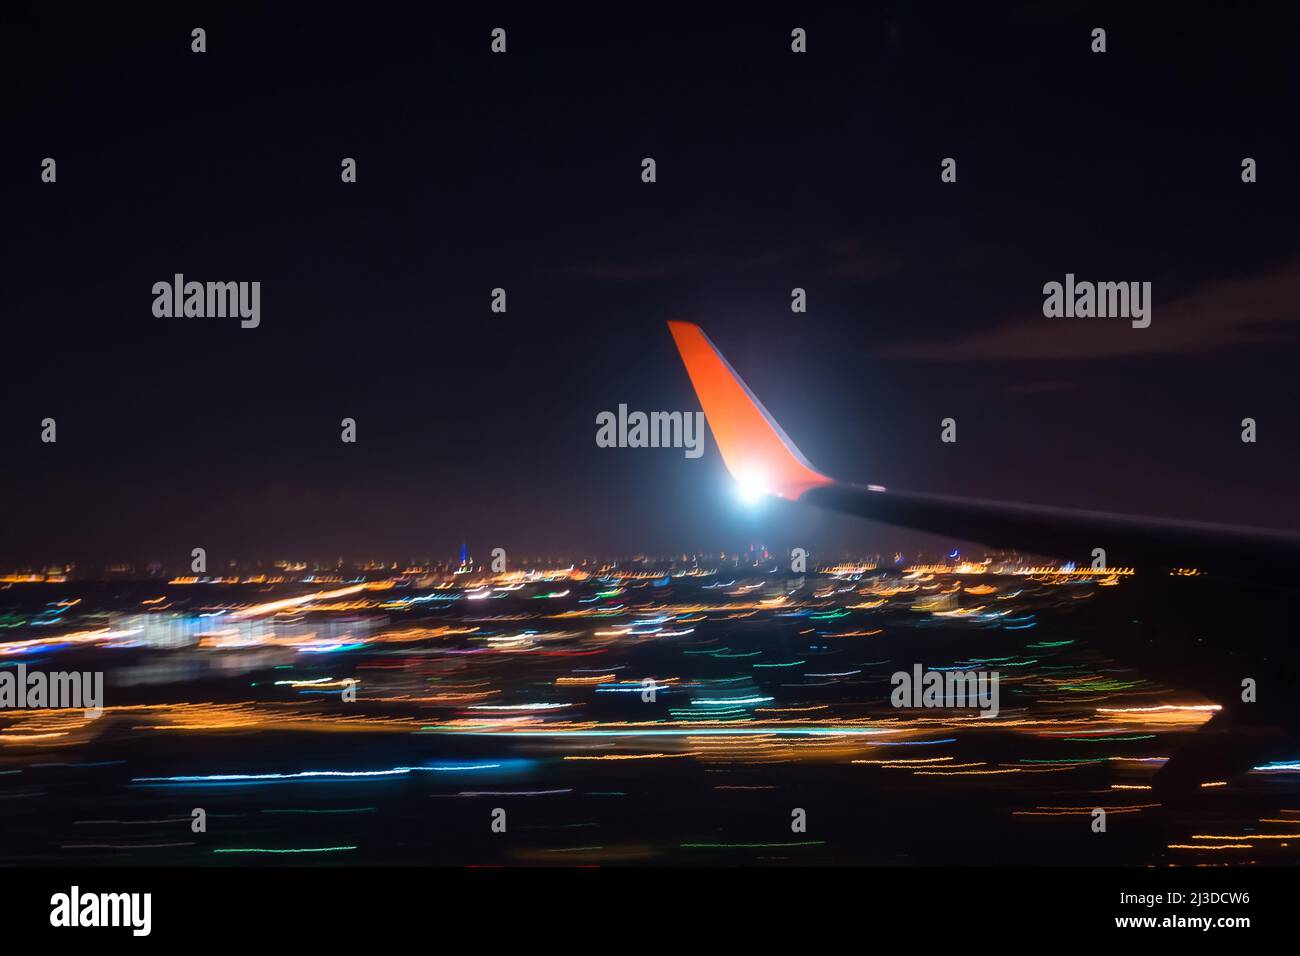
523	171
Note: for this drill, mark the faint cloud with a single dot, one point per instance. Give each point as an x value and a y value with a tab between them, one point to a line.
853	259
613	271
1038	388
1252	310
850	259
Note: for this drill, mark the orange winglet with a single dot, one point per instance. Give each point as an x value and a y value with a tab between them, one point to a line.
757	453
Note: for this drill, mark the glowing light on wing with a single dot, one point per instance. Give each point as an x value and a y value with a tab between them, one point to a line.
757	453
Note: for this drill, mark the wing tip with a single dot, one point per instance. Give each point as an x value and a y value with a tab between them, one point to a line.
757	452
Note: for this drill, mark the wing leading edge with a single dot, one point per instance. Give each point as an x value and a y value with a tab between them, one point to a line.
761	457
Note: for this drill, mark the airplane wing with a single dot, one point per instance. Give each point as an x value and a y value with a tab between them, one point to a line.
763	460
